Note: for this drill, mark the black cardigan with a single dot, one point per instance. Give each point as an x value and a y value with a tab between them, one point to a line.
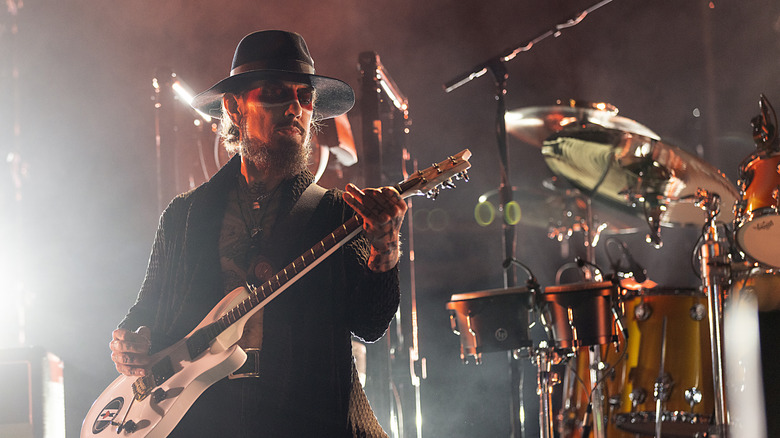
306	347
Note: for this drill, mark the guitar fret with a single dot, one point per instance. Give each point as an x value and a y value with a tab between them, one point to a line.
211	331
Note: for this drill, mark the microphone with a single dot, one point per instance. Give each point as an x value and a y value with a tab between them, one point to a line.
764	131
507	262
637	271
533	284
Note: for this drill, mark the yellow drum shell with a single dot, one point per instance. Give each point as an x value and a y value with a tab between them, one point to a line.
687	364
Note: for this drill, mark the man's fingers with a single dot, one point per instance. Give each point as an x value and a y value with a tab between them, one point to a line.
141	346
132	359
130	351
130	371
135	342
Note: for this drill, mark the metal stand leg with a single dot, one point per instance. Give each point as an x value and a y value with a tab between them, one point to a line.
597	399
545	381
715	274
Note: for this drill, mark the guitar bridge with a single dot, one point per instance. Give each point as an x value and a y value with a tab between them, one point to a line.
159	373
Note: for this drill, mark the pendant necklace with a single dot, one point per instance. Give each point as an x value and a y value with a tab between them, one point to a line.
250	198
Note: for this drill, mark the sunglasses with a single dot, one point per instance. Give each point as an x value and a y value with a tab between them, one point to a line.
275	93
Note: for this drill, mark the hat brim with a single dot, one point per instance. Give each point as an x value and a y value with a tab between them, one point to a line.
334	97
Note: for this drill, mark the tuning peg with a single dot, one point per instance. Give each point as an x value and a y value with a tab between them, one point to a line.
433	193
448	184
462	176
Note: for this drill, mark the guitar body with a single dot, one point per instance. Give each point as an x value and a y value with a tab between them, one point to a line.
157	418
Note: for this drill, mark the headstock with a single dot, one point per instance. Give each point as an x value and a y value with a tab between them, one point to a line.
430	181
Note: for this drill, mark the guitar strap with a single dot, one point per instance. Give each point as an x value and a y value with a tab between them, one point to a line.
304	208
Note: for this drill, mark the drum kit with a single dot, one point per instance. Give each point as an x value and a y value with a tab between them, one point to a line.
637	359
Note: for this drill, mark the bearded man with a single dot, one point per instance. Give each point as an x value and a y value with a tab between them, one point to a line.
253	217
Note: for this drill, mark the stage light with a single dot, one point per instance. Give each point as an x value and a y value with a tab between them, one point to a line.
184	94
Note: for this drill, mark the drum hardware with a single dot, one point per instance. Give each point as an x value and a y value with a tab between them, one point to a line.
544	357
715	274
765	130
662	386
637	397
693	396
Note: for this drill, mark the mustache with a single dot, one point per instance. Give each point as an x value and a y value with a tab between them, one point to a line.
291	124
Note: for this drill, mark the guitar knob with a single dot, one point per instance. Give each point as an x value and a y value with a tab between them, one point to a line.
129	426
159	395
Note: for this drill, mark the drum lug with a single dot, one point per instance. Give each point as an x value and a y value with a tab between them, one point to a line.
614	402
698	312
643	311
740	208
663	388
775	192
637	397
693	396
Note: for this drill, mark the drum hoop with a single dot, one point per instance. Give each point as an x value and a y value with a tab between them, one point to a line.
748	218
489	294
665	291
758	155
579	287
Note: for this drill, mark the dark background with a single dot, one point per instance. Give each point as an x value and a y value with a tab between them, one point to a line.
78	193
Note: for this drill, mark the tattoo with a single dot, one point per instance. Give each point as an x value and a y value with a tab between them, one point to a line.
384	258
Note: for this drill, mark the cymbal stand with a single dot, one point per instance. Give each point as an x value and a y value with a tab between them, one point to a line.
544	356
715	273
594	353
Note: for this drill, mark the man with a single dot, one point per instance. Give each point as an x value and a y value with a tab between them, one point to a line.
252	218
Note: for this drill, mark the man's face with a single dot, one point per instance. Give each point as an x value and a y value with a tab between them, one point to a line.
275	122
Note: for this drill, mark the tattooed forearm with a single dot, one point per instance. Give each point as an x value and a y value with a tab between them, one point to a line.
386	246
385	255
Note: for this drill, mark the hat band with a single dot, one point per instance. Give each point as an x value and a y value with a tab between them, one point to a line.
293	66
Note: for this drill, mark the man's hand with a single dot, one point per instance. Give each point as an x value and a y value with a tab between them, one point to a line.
130	350
382	211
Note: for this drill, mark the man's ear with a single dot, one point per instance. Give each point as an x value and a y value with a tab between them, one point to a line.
230	101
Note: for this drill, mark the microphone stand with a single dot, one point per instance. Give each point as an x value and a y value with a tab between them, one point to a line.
495	65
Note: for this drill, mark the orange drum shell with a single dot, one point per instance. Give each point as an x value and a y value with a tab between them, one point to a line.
757	220
764	178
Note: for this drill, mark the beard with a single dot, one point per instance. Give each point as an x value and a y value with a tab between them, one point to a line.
284	155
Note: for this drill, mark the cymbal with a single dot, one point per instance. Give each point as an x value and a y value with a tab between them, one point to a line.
533	125
628	169
557	210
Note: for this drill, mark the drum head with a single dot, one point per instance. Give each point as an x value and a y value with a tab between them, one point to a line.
759	238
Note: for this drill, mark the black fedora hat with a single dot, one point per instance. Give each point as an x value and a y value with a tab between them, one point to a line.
276	54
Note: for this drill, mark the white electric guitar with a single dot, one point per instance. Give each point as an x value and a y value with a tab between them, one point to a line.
152	405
